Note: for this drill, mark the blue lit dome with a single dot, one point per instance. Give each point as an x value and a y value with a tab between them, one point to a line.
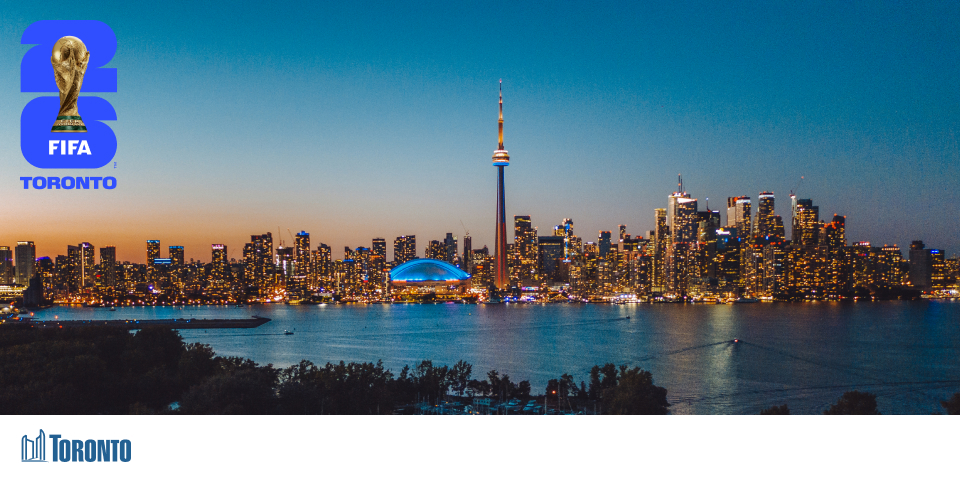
426	270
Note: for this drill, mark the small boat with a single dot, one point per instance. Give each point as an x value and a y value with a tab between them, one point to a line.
113	309
287	332
746	300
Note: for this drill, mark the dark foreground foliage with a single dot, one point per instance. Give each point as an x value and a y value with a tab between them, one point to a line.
110	371
777	410
854	403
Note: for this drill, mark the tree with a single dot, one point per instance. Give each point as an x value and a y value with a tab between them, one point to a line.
854	403
635	394
952	405
460	376
776	410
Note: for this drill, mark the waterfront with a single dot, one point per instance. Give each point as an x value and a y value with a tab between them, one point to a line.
802	354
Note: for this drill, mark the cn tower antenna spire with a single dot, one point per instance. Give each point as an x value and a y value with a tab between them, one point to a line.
500	123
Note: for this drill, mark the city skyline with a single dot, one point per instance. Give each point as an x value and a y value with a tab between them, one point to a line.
354	126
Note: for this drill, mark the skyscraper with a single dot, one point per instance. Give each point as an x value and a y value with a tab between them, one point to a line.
7	272
301	256
26	253
176	255
108	266
738	215
765	214
87	259
501	159
806	220
404	249
219	264
153	252
525	249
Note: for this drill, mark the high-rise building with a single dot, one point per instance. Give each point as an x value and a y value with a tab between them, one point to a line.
153	253
26	253
525	261
550	255
603	244
450	245
108	267
738	215
806	223
921	266
7	271
176	255
219	264
404	249
765	215
301	256
87	261
501	159
660	241
623	231
467	260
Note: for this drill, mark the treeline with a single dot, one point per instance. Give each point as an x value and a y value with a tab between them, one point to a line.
99	370
83	371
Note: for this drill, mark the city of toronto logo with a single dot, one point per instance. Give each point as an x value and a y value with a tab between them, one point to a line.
34	450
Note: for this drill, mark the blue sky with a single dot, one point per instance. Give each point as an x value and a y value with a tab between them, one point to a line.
361	120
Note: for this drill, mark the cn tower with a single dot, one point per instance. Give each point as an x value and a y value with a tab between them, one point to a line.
501	159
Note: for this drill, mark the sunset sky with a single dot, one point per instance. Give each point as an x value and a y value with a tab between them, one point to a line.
358	120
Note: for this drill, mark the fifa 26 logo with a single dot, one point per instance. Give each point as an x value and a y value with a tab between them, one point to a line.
68	130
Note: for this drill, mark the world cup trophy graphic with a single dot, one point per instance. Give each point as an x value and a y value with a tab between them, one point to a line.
69	59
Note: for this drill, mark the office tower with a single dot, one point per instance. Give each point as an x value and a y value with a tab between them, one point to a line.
806	219
467	260
176	255
623	231
26	253
435	250
836	270
379	248
525	249
301	258
728	255
7	271
921	266
765	214
682	217
603	244
566	231
259	263
550	254
738	215
660	240
450	246
153	252
323	263
404	249
938	269
87	261
501	159
219	264
707	226
773	265
108	266
285	256
891	266
776	230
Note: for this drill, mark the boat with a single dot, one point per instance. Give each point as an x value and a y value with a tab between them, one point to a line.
287	332
746	300
113	309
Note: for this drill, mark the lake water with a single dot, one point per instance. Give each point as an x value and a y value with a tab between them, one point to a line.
805	355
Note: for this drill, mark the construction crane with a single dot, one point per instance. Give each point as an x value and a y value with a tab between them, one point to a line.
796	189
465	232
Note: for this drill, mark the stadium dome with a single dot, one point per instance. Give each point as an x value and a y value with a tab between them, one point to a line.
426	270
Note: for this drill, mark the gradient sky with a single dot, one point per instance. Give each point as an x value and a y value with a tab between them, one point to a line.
358	120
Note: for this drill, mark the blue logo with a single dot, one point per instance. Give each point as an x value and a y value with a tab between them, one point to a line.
74	450
43	148
34	450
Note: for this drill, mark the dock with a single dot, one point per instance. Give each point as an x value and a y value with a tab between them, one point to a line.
174	323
